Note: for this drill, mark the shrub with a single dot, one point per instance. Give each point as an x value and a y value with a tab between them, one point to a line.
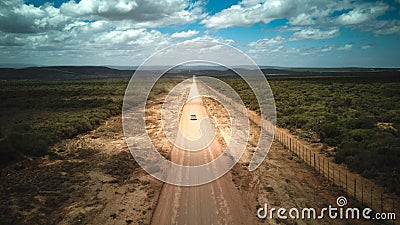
28	144
8	153
331	132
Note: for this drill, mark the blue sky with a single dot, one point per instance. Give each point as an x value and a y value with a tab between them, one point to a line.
289	33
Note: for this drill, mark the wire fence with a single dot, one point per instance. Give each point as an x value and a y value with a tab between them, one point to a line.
353	185
368	193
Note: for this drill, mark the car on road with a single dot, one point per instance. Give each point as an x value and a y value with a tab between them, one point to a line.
193	117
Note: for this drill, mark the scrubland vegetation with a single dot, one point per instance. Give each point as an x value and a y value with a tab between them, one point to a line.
358	118
35	114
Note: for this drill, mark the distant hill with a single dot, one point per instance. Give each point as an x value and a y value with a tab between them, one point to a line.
63	72
99	72
332	72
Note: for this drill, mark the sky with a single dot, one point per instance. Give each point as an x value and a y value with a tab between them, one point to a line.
287	33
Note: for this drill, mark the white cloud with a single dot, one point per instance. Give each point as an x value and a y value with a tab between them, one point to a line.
185	34
141	13
208	38
133	37
345	47
383	27
90	31
302	19
248	13
124	31
326	49
367	46
315	50
268	42
354	14
17	17
266	45
314	34
363	13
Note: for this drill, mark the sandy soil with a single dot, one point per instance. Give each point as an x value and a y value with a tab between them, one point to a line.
282	180
90	179
217	202
93	179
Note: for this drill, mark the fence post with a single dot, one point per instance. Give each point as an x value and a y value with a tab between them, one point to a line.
362	193
287	141
328	171
306	160
323	166
347	187
371	197
392	207
333	174
315	168
340	182
355	188
298	149
381	202
290	144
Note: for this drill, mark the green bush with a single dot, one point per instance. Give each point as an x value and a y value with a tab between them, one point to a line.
8	153
28	144
16	145
331	132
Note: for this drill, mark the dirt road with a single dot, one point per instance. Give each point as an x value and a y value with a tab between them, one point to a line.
217	202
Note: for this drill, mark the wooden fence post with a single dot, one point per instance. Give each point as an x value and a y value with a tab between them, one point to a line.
315	168
371	197
362	193
287	141
328	171
393	208
355	187
319	164
306	160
